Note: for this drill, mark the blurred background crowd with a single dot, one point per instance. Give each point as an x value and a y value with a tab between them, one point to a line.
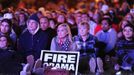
101	30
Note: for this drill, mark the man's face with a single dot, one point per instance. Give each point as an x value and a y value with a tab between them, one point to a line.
83	30
85	18
32	25
44	24
61	18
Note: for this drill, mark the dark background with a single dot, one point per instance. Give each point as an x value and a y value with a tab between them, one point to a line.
39	3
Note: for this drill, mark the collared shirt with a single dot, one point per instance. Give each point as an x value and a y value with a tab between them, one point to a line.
85	47
125	47
125	51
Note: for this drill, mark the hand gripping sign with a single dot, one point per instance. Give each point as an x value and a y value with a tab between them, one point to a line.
61	60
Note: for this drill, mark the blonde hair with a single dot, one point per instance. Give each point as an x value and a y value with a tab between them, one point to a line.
84	24
68	30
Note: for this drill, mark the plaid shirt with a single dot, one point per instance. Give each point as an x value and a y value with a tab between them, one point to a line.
86	47
125	51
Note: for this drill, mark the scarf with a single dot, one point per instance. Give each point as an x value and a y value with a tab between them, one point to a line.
64	45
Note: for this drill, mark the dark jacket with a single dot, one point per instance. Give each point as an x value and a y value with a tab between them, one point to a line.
8	63
125	51
33	44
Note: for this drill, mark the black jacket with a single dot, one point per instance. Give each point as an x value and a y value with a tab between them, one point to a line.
33	44
8	63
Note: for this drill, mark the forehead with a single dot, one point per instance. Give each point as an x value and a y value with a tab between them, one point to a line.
128	27
61	15
5	23
104	21
83	26
32	20
21	14
62	27
43	19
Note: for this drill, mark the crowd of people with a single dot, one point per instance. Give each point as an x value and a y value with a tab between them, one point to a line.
100	33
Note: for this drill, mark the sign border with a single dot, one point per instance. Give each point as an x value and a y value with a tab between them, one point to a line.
77	63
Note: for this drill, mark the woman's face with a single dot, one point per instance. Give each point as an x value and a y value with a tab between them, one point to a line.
105	25
61	18
52	24
4	27
3	42
128	32
62	32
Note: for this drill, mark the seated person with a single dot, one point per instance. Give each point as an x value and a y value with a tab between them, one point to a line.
125	48
85	43
33	40
63	40
6	29
8	62
108	36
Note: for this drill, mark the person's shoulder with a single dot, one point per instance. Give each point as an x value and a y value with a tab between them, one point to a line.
76	37
99	32
121	41
24	32
54	38
9	49
43	32
113	30
92	36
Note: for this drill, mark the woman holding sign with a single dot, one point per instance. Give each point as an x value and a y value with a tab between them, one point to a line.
63	40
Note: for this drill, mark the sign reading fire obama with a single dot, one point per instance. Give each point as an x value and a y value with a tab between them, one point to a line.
61	60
